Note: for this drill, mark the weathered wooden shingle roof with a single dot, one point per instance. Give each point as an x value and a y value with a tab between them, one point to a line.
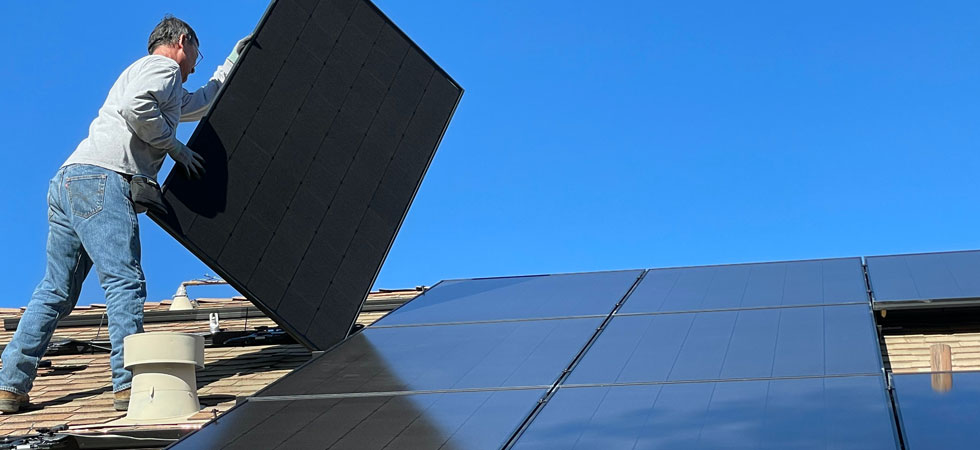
76	389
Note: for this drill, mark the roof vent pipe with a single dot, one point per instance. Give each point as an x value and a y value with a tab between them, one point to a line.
164	383
181	301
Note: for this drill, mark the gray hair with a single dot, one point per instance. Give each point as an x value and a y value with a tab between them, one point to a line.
168	32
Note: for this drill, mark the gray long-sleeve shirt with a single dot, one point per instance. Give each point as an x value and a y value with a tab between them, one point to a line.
137	126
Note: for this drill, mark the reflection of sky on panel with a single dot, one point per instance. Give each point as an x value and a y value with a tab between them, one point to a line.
814	282
925	276
516	298
839	413
933	419
807	341
502	354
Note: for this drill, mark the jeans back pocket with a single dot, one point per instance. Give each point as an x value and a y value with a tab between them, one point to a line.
86	193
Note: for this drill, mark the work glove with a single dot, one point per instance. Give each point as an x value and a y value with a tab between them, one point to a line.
190	162
239	48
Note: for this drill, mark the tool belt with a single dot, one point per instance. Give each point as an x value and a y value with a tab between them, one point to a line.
146	195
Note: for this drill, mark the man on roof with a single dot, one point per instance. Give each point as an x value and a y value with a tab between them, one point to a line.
94	197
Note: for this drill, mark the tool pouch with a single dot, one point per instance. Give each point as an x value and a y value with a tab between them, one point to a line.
146	195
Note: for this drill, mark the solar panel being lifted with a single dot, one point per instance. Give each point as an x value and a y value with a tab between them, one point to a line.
315	149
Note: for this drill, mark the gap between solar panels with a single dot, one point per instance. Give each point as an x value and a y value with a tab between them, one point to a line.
315	148
550	393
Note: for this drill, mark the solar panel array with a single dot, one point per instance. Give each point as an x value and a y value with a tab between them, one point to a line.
314	151
779	348
573	362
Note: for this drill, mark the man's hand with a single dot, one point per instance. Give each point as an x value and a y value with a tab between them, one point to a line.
190	162
239	48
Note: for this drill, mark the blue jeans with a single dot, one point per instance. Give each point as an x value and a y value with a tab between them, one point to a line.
91	222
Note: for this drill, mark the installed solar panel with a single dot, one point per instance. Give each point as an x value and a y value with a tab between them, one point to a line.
782	342
814	282
817	413
920	279
531	297
933	417
485	355
464	420
315	149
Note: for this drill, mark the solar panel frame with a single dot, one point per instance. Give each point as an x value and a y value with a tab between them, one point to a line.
267	283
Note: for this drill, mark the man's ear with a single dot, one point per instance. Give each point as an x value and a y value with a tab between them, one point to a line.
182	40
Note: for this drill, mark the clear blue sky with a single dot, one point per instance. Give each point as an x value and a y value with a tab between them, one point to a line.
591	137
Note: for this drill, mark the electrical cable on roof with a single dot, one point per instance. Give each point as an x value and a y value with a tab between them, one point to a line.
101	319
116	436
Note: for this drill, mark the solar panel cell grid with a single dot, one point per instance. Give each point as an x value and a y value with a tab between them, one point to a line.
485	355
919	279
785	342
470	420
793	283
532	297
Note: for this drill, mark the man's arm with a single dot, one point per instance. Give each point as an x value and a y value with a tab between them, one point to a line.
193	105
155	87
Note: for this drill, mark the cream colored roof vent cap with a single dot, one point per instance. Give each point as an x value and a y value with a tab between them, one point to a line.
164	380
181	301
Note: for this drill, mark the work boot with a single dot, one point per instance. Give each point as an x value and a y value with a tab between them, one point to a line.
120	400
11	402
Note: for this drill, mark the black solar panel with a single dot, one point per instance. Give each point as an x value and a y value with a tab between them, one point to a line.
815	282
816	413
484	355
934	417
919	280
315	149
461	420
532	297
783	342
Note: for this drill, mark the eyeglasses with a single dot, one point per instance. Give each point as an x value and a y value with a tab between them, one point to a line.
200	55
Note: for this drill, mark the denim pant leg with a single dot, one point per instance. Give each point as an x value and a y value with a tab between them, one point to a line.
54	297
109	232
